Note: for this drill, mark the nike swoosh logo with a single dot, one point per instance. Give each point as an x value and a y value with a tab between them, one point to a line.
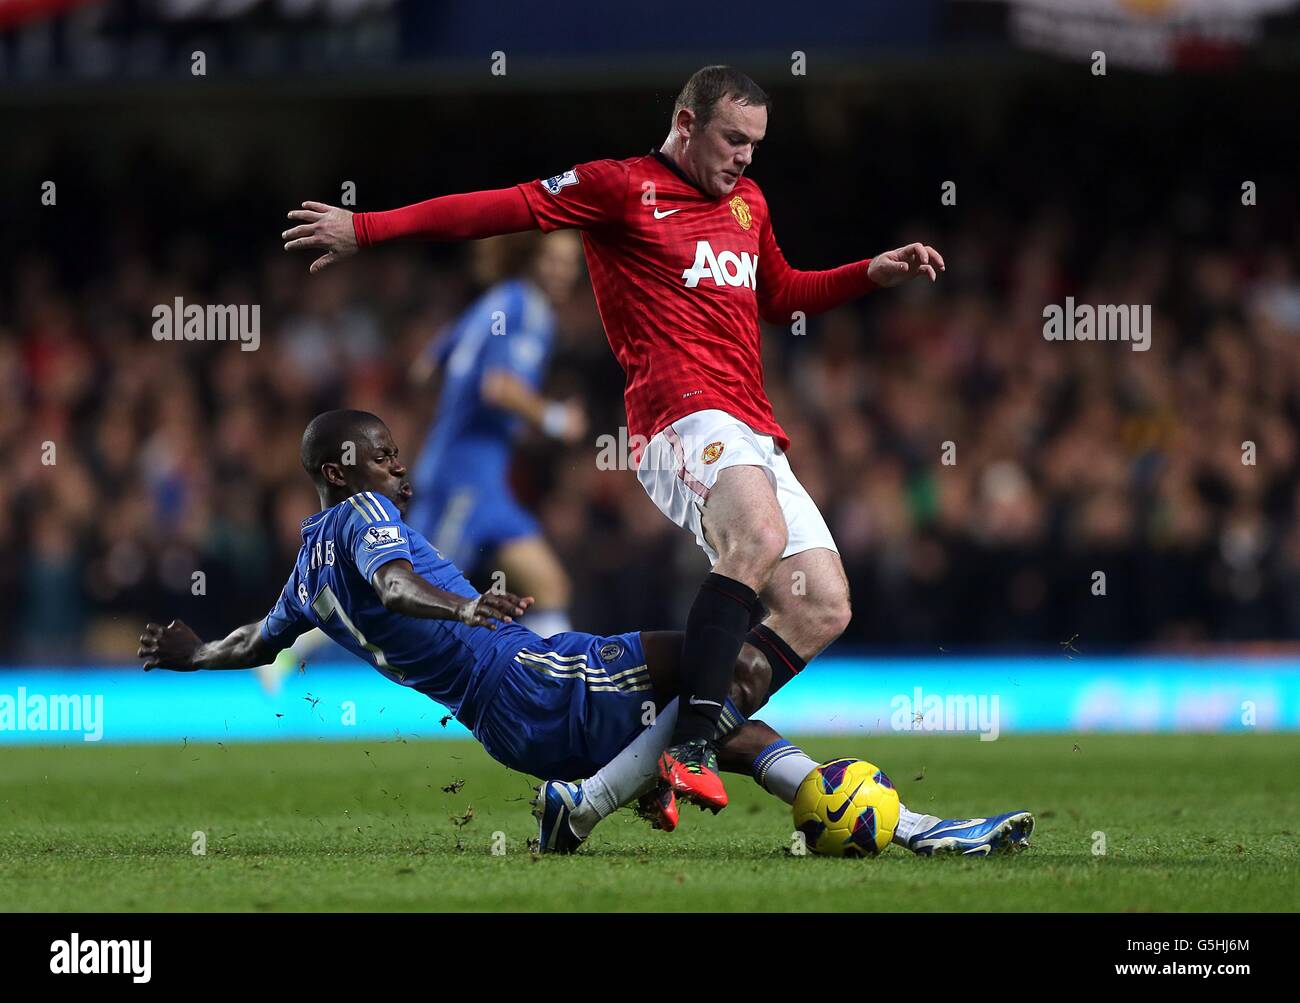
660	214
711	703
951	826
834	816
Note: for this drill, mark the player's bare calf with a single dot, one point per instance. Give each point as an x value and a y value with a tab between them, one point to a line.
807	599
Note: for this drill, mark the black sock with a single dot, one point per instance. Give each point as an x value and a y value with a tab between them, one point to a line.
715	630
785	663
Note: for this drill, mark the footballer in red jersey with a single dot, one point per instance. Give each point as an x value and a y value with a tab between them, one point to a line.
684	262
677	274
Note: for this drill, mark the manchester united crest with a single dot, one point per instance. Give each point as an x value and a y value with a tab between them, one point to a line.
712	452
741	211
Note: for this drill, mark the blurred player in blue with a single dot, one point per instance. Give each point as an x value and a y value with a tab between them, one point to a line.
563	707
492	361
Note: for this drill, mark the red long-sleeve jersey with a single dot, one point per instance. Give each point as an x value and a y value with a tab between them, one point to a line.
681	277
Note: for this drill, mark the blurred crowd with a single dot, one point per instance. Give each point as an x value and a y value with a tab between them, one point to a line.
976	476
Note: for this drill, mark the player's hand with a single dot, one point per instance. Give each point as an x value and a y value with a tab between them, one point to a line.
171	647
575	424
891	268
491	607
324	228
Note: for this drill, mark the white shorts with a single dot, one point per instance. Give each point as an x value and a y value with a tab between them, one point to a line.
681	463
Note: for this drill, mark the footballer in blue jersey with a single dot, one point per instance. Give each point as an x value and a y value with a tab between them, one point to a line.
574	707
492	361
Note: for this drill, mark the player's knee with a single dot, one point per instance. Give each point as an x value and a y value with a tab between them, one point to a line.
831	619
755	551
751	681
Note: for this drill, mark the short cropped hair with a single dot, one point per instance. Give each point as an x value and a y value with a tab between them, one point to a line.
713	83
322	442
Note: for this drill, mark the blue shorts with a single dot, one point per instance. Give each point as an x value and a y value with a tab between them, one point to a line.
469	520
568	704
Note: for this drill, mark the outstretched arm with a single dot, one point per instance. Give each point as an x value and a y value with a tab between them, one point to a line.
783	290
177	647
471	216
589	195
563	420
401	590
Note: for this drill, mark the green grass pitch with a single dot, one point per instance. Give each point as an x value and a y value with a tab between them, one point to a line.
1189	823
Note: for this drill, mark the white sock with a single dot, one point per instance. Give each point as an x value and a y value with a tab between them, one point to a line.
547	622
910	822
781	770
628	775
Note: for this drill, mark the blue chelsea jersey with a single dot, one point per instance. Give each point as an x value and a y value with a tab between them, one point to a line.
510	328
330	588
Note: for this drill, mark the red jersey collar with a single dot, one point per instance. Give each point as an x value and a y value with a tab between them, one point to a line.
668	162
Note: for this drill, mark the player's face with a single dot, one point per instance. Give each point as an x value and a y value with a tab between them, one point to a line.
379	469
720	152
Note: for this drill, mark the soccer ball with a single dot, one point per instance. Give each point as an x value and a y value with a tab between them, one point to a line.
846	808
